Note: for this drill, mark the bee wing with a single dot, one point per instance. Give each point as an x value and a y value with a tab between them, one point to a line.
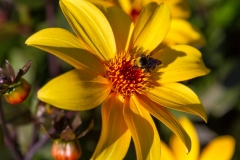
158	62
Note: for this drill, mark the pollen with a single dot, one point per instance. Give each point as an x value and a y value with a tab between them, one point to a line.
125	78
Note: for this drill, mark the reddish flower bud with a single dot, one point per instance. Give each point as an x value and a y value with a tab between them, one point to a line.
18	93
66	150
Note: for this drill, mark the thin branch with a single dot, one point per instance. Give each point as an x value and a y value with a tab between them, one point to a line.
35	147
34	137
16	153
52	60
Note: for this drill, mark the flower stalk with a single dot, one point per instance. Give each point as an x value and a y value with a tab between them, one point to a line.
11	144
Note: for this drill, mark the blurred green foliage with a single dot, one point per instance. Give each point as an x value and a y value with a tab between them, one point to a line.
219	20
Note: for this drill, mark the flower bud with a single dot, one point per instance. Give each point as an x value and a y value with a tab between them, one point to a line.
66	150
18	92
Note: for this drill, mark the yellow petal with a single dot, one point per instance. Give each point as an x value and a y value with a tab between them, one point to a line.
166	152
183	32
101	3
151	27
67	47
179	8
120	23
124	4
178	147
163	115
115	136
178	97
129	36
143	130
75	90
179	63
220	148
91	26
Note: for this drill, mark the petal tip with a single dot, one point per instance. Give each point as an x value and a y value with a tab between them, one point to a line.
27	42
204	117
40	94
208	71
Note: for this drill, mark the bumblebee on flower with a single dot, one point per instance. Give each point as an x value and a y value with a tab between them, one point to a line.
103	51
146	62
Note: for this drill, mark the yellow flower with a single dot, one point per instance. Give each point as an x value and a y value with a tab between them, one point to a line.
181	31
104	52
179	8
220	148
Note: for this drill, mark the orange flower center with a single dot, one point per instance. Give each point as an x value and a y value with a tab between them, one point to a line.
126	79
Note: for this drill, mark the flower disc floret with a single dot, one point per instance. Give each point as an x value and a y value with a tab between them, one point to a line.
125	78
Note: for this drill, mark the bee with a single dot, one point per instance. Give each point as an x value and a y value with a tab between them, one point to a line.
146	62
